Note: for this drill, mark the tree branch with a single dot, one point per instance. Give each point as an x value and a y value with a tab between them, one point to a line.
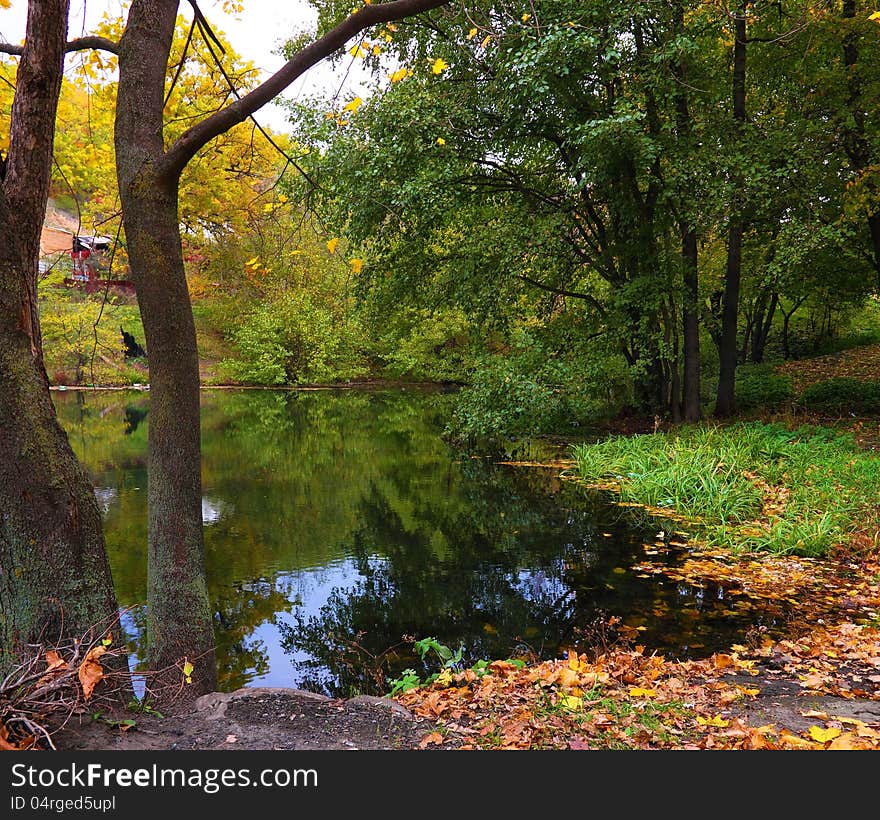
193	140
562	292
80	44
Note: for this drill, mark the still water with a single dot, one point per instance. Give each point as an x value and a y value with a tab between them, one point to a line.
340	524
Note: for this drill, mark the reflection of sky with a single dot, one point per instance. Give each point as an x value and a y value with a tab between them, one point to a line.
212	510
106	496
309	589
314	587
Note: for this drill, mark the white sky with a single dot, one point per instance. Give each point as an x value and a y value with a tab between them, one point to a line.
256	34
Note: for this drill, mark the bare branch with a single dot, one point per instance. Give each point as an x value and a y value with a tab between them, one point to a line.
79	44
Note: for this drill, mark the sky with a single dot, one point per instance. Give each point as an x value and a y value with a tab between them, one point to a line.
255	34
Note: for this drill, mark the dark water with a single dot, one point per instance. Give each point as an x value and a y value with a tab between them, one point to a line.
338	523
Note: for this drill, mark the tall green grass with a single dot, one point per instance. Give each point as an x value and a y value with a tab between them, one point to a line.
700	472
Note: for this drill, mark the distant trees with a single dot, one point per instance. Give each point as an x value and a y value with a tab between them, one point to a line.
667	170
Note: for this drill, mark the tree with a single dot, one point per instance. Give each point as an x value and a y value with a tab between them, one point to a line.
54	577
149	176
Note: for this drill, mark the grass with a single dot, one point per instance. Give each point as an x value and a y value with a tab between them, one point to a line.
746	486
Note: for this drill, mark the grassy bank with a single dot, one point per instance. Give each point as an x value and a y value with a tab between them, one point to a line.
746	486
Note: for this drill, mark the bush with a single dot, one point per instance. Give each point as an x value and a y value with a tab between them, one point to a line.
843	395
293	339
760	387
429	345
534	389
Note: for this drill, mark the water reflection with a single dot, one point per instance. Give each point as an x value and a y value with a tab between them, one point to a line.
340	522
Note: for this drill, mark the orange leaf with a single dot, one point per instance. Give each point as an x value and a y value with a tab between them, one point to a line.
434	738
845	742
90	671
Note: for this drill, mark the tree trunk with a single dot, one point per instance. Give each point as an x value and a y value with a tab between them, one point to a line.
725	399
690	314
762	330
855	140
55	581
693	410
179	611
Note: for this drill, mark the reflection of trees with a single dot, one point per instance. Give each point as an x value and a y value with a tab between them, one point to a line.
238	610
445	545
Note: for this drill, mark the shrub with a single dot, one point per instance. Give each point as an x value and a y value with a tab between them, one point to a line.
760	387
293	339
534	389
843	395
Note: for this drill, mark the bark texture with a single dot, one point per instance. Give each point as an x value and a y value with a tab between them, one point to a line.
55	581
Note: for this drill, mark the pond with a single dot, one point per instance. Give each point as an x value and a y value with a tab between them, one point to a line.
339	525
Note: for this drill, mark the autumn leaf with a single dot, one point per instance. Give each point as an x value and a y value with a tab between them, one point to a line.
717	721
108	640
846	742
358	51
398	75
188	669
332	244
471	34
356	265
435	738
571	702
91	672
441	142
353	105
526	17
439	66
821	735
638	692
874	16
54	661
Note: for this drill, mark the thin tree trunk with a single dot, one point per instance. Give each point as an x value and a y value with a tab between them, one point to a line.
690	314
54	577
725	399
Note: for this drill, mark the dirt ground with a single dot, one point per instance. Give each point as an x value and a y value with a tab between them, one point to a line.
257	718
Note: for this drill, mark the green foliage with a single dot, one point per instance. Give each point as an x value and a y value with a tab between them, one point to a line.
294	339
422	344
843	395
449	660
760	387
718	476
535	387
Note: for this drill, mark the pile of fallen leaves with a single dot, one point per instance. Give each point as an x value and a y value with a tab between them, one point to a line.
628	698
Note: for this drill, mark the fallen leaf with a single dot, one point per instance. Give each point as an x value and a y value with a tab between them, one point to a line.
638	692
821	735
717	720
90	671
845	742
434	738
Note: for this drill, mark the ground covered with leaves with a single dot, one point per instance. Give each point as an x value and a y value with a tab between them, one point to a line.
818	688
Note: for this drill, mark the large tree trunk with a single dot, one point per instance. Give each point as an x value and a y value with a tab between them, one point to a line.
55	581
179	612
148	177
725	399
